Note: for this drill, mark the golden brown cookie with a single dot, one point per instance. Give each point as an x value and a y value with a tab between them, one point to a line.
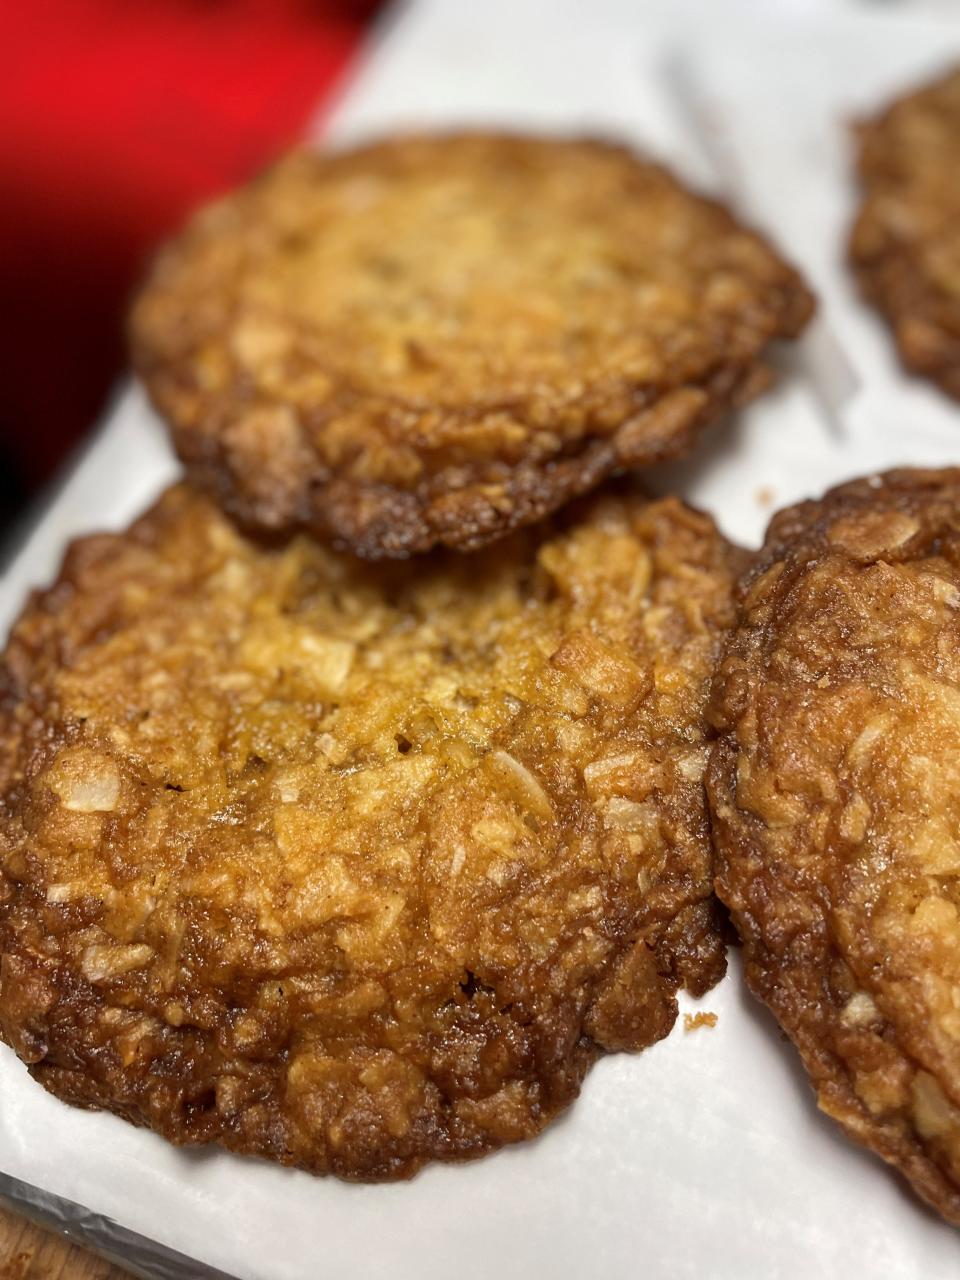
357	866
906	242
435	340
835	793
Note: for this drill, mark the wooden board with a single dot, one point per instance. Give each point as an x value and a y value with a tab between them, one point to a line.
31	1253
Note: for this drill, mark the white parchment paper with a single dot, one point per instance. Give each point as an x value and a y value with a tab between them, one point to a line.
704	1156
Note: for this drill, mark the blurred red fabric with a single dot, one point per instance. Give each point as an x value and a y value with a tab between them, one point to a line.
116	118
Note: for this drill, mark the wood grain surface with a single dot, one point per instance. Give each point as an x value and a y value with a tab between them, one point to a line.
32	1253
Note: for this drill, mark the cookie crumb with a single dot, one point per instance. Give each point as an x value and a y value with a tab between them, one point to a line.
694	1021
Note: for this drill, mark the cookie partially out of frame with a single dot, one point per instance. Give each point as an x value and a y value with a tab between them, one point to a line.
349	866
906	241
434	340
835	792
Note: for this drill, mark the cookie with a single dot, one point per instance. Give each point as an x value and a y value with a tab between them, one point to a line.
834	790
435	340
905	246
350	866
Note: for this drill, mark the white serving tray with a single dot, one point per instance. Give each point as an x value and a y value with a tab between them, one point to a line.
704	1156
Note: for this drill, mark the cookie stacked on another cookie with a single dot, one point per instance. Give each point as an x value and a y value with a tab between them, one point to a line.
434	340
356	866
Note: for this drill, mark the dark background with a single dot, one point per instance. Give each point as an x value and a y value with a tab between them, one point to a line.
116	118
